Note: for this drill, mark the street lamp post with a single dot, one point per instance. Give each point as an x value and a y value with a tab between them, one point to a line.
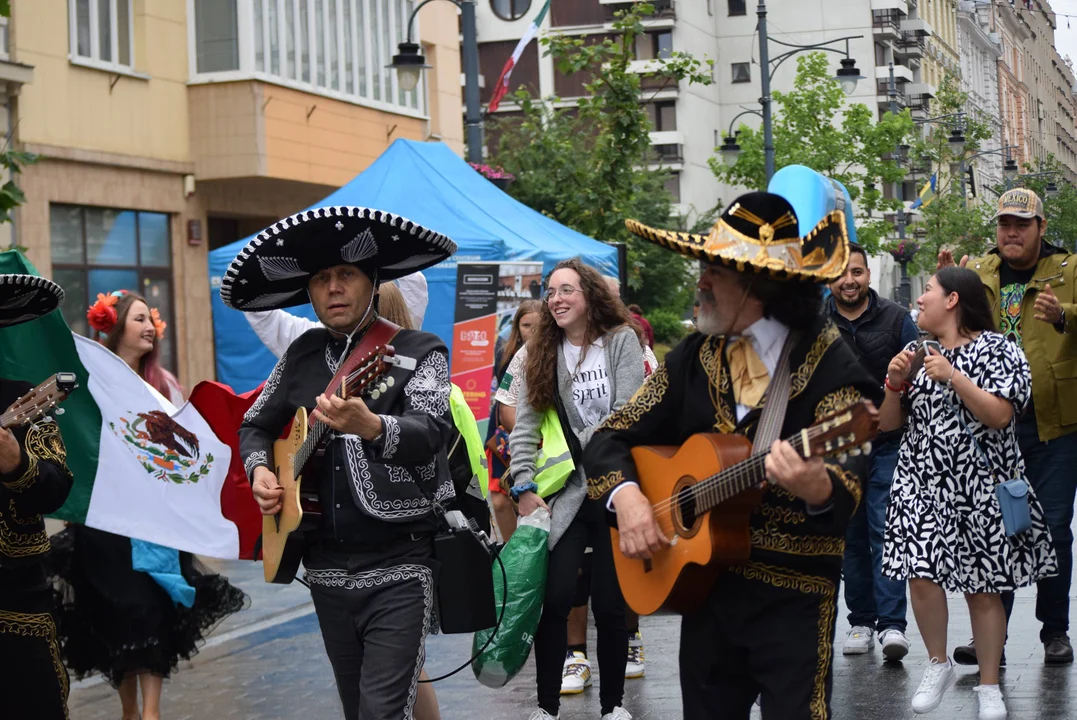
848	76
410	63
905	287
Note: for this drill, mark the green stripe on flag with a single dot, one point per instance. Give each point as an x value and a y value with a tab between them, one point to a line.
32	352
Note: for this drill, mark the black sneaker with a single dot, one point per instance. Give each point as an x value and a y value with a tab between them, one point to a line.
966	654
1058	651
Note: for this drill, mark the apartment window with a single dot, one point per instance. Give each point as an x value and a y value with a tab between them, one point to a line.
742	72
339	48
101	31
663	44
663	116
673	184
217	35
510	9
737	7
98	250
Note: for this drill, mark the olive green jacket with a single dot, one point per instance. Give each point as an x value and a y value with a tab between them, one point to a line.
1051	353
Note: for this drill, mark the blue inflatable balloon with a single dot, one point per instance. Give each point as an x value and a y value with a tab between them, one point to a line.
813	196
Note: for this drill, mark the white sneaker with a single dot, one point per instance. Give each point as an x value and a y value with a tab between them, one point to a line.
636	667
858	640
576	675
619	713
992	706
895	644
938	678
541	714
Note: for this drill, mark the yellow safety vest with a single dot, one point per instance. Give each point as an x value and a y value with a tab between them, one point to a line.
465	423
554	465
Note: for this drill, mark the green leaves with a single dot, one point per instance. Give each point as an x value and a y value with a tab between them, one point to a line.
813	126
589	166
11	195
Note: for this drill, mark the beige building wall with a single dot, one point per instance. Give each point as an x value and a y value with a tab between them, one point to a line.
72	106
942	47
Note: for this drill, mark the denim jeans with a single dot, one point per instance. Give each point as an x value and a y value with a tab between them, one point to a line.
874	601
1051	468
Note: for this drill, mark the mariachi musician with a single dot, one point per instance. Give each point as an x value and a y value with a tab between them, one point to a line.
766	628
34	481
369	566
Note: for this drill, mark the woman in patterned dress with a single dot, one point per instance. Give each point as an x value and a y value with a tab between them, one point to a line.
944	528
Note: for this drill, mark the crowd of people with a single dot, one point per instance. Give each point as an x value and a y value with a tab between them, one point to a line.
968	488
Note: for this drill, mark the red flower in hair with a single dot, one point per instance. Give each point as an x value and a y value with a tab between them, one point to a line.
158	323
102	314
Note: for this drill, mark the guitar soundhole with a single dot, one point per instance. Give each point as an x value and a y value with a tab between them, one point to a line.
687	518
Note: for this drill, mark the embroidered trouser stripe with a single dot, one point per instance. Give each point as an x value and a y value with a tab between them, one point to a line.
35	683
374	625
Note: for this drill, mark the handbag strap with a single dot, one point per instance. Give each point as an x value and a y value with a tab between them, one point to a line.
975	442
773	416
574	447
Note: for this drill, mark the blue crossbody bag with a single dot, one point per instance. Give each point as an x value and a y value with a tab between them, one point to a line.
1012	494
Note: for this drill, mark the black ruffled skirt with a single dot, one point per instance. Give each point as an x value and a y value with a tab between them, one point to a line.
114	620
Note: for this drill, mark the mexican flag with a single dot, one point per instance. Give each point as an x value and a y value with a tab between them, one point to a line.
502	86
142	467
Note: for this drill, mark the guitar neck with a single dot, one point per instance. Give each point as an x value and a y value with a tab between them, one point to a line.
735	479
319	430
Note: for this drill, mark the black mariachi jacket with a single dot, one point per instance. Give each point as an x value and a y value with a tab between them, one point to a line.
691	393
37	487
369	495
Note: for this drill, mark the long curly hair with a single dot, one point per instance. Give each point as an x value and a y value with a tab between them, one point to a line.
606	313
516	338
149	366
392	307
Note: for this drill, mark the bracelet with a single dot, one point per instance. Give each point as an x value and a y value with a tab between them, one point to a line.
898	390
950	380
517	490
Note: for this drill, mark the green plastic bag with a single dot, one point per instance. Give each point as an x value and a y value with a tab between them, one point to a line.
525	565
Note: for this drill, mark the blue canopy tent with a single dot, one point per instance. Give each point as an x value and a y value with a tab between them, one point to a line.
431	185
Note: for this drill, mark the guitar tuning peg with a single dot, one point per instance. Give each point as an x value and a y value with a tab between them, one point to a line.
867	448
854	452
844	457
60	411
390	381
383	387
375	395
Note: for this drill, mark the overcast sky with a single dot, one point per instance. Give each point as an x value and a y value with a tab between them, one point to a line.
1066	38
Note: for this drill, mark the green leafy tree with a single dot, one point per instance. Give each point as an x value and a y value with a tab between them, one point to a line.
854	149
11	164
588	166
950	220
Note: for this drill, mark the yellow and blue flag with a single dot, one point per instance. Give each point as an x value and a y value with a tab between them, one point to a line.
927	194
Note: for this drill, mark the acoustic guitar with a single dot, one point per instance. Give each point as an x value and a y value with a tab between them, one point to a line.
283	534
39	401
703	494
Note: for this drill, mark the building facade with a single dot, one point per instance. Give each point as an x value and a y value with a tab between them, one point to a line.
980	51
168	128
685	117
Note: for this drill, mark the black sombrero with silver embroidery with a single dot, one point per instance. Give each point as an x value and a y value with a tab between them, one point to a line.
273	270
27	297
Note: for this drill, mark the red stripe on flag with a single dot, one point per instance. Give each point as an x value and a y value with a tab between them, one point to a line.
223	410
502	86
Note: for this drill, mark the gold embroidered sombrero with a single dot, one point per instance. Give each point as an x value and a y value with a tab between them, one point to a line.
758	232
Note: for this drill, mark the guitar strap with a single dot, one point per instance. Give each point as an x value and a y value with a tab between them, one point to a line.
380	332
773	415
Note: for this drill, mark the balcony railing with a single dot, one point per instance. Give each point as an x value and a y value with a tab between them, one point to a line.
887	20
666	153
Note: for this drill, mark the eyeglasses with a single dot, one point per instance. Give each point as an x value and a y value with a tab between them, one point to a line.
565	291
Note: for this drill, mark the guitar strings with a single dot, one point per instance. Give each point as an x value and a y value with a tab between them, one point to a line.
7	417
717	486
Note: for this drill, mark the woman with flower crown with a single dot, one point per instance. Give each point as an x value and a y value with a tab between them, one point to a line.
114	619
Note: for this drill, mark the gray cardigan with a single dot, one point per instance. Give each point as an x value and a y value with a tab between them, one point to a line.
624	363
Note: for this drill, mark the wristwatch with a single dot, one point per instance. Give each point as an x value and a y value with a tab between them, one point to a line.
376	442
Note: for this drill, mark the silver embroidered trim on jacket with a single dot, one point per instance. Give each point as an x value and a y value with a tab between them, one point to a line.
390	436
359	469
428	389
267	391
255	459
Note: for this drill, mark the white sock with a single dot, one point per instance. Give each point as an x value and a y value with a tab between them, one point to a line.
990	686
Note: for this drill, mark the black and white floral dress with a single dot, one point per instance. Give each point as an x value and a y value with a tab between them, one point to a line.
943	522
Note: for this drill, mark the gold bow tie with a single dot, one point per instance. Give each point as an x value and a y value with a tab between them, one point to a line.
747	372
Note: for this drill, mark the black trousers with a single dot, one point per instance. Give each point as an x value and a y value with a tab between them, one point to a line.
588	529
763	631
375	610
34	684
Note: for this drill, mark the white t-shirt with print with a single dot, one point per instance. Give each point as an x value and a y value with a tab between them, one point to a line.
590	381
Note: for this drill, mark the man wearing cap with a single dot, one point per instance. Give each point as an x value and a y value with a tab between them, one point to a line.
369	564
765	628
34	481
1031	285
